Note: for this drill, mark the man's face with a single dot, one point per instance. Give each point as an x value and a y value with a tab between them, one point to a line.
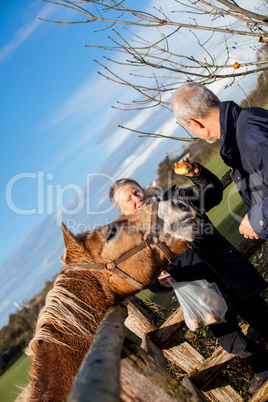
201	131
131	197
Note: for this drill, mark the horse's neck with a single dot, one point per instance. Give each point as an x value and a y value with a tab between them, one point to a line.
65	328
90	287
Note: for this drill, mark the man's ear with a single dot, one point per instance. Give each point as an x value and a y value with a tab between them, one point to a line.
195	123
122	212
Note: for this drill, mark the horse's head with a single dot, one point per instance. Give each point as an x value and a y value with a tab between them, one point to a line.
102	268
172	227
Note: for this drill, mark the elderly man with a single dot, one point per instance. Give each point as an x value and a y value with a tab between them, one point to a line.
212	258
243	135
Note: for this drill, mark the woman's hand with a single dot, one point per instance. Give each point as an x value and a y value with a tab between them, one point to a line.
163	279
195	168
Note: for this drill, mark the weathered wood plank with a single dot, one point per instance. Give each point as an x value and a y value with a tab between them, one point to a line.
227	179
139	319
248	247
98	375
187	383
144	380
184	356
226	394
165	334
149	347
262	394
210	368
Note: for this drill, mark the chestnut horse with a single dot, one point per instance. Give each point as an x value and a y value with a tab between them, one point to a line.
82	292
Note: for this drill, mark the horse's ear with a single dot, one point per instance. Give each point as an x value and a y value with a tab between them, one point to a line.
74	248
68	237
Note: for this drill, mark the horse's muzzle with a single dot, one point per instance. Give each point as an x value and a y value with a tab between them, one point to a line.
183	207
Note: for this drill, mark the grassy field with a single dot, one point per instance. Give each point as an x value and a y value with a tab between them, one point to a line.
16	375
227	216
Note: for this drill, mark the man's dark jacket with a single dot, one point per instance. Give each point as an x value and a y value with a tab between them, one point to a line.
244	147
211	257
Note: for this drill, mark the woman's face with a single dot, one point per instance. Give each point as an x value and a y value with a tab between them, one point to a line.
131	197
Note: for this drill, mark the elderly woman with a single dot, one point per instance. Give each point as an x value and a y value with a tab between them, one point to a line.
213	258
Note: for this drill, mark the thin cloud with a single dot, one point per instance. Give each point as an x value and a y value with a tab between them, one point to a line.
25	32
93	95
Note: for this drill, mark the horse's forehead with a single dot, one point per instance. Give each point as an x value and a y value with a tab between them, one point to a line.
119	224
124	222
83	235
132	220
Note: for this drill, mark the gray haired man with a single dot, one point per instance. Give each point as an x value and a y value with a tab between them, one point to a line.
243	135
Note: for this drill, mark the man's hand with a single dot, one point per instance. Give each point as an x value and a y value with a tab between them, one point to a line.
246	230
163	279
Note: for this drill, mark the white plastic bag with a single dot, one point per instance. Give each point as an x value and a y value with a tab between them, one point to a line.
201	302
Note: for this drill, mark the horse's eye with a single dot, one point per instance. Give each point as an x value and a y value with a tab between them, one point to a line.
111	232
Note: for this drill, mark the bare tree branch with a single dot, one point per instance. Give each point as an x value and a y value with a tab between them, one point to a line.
155	54
240	10
154	135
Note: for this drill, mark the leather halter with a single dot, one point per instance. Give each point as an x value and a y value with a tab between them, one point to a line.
151	238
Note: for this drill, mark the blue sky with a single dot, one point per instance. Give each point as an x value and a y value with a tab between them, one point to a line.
59	132
53	107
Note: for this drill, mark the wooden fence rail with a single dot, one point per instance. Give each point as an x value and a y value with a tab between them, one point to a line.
100	370
117	369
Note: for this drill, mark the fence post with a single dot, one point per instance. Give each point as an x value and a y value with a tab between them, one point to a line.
98	377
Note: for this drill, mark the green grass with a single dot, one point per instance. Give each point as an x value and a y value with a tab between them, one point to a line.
163	299
16	376
227	216
217	166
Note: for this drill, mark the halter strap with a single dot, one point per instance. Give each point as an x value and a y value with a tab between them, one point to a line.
115	269
152	238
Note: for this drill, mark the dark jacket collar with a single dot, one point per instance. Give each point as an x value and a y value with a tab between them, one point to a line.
229	112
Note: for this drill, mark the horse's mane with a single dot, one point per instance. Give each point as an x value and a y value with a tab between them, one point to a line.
64	312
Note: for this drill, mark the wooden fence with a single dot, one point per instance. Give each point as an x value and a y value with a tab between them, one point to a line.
117	369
